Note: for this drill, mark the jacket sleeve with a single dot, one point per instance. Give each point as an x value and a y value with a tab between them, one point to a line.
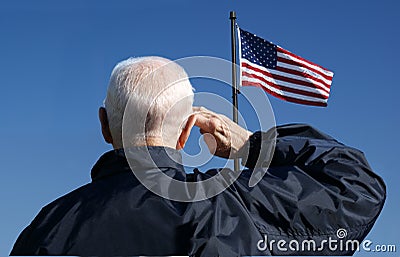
314	188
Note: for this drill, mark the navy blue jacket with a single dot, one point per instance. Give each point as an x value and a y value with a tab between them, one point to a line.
316	189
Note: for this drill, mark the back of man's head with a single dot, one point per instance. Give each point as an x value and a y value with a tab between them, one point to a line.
157	96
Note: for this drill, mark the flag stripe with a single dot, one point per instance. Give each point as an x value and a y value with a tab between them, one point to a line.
282	76
267	77
281	58
301	71
303	76
313	80
281	87
306	62
283	96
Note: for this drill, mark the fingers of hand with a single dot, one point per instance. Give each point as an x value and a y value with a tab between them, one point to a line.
207	121
216	131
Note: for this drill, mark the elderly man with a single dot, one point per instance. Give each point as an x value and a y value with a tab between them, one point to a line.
315	194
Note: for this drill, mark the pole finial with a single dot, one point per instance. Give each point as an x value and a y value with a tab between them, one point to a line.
232	15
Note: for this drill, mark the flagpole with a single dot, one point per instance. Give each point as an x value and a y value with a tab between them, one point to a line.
235	90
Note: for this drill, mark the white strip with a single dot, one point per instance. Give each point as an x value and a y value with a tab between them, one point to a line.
284	93
286	74
286	84
240	54
305	70
286	56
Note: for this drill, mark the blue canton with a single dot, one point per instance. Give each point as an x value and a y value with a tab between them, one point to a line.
258	50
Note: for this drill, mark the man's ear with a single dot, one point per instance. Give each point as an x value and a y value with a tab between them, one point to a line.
185	132
105	128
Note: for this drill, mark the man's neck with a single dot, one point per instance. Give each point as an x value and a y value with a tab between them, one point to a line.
150	141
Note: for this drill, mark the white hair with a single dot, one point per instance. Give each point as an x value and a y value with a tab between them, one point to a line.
159	94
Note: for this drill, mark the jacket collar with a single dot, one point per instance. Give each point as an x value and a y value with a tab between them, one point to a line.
141	157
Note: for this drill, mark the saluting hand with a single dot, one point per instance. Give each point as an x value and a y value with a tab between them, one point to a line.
223	137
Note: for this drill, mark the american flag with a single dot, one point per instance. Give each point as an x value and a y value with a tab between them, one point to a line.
282	73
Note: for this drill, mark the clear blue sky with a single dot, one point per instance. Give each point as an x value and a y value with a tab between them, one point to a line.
56	57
